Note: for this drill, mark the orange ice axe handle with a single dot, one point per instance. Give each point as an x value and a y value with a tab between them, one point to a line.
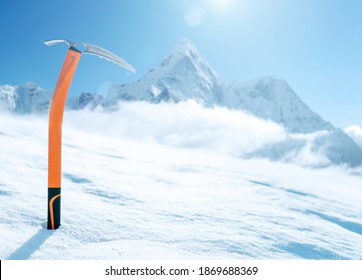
55	135
56	116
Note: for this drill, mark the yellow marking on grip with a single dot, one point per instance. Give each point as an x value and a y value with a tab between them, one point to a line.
51	209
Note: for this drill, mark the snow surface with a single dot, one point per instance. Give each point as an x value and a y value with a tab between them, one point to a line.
132	189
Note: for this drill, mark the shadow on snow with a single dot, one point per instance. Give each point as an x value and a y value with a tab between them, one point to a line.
32	245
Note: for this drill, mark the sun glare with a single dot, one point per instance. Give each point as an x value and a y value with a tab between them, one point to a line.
222	6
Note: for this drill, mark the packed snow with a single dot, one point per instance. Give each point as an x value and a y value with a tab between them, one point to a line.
174	181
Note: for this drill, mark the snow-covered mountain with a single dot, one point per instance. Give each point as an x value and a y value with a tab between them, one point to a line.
184	75
31	98
274	99
7	98
26	98
85	100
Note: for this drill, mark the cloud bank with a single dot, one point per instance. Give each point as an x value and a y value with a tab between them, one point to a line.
189	125
185	124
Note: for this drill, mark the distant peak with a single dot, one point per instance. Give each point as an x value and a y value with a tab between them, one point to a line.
186	48
269	79
184	42
185	57
30	85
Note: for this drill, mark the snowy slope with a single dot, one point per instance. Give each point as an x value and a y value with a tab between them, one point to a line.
131	194
274	99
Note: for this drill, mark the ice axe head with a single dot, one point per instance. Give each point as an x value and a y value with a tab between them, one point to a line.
95	50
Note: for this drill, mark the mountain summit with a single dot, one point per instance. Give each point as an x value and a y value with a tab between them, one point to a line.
182	75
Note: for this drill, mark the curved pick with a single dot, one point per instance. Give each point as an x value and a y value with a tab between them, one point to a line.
95	50
103	53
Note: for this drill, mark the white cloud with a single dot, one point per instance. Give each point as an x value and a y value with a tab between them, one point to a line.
355	132
192	126
182	125
193	17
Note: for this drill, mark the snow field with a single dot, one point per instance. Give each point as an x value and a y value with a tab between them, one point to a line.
131	196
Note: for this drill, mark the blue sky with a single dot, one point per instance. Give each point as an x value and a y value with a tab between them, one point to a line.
316	46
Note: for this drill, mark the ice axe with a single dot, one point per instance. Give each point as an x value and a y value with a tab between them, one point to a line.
56	117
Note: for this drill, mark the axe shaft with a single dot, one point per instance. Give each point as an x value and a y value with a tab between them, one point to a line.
55	136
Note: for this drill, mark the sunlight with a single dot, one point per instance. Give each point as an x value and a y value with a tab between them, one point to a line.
222	6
